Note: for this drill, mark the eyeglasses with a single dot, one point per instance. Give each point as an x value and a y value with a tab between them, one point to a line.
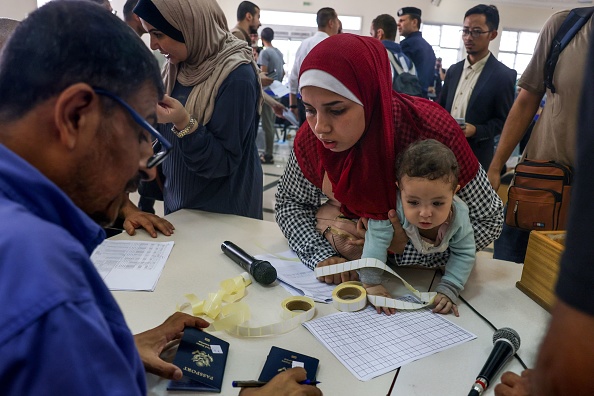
157	157
473	33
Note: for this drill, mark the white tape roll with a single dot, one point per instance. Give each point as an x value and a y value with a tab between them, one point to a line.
349	297
426	298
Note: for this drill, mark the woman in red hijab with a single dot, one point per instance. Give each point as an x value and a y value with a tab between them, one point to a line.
357	126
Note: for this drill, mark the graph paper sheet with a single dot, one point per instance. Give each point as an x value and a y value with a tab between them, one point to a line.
370	344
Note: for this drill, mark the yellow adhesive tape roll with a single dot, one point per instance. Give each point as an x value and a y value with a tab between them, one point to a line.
349	297
229	314
295	310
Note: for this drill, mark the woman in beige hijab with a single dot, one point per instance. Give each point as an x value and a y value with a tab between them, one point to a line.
212	112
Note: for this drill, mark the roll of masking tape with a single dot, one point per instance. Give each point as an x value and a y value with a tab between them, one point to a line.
298	305
349	297
295	311
425	298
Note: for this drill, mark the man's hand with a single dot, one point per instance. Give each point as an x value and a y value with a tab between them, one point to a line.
400	239
514	385
266	81
152	343
469	130
286	384
276	106
278	109
337	278
293	105
135	218
149	222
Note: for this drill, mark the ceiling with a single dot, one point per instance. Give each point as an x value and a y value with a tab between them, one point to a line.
548	3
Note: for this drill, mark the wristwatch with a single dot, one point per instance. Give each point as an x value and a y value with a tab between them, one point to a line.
186	130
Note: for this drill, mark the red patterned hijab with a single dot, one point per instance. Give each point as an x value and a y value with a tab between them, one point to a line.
363	176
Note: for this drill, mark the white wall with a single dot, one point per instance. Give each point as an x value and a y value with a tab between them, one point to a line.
16	9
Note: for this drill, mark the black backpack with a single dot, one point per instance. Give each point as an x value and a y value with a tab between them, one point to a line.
575	20
405	80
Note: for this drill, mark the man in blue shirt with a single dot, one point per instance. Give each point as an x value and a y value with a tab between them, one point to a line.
415	46
77	88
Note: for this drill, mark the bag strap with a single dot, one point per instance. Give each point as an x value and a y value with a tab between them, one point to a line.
575	20
395	64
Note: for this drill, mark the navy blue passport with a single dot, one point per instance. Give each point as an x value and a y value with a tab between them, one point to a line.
202	358
279	360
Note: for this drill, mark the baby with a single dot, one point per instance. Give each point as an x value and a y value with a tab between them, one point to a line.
432	216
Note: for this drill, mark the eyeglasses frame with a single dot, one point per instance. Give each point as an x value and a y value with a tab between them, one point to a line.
473	33
156	158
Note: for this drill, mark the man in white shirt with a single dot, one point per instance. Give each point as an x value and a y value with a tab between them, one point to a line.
328	25
479	91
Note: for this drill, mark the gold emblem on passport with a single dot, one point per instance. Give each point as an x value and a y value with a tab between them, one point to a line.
202	359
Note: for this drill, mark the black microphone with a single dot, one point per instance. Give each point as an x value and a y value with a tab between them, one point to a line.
505	344
262	271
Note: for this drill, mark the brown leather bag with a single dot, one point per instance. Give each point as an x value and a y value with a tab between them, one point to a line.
538	198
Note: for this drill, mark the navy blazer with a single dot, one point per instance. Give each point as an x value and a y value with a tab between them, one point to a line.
489	104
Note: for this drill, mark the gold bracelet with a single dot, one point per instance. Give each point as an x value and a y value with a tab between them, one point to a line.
187	130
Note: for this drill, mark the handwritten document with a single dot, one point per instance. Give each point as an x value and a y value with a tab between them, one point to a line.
296	278
131	265
369	344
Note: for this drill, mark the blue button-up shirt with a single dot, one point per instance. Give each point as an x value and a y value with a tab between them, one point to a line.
61	331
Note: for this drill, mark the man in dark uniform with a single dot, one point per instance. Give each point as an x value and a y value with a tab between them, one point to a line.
415	46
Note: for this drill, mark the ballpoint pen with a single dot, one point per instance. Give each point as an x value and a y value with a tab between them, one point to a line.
256	384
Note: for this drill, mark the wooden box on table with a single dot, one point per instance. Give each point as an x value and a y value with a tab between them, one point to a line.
541	266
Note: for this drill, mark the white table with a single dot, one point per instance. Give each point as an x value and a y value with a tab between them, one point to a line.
491	291
197	265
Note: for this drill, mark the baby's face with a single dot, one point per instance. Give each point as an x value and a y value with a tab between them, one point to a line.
426	203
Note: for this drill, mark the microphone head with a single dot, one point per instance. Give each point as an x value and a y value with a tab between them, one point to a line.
263	272
510	335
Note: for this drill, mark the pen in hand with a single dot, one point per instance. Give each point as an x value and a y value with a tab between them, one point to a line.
257	384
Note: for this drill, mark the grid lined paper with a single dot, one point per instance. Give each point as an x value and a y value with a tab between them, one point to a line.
369	344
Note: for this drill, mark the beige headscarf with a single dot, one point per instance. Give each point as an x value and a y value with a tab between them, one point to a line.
7	26
213	53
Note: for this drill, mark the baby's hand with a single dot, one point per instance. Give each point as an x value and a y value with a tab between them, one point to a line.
444	305
380	290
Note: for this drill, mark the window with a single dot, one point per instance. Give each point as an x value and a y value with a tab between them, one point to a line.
290	28
446	42
516	49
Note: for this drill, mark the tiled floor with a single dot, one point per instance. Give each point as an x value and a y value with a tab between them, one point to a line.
272	172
